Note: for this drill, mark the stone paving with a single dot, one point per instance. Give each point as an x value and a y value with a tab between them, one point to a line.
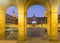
33	37
33	40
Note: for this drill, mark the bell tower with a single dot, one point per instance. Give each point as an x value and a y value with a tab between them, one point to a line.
13	14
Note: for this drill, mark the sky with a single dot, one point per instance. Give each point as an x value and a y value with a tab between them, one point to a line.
36	10
59	9
11	9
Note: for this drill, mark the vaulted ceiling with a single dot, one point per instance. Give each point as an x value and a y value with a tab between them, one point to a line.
27	3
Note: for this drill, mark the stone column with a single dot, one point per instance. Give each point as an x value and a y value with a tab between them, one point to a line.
2	24
52	28
21	22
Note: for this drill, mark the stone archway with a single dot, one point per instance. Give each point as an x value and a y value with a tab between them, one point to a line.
52	12
3	6
23	5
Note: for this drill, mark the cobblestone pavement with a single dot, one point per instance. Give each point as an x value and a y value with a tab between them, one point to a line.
33	40
39	38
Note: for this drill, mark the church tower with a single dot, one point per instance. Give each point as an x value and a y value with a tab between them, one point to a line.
34	17
13	14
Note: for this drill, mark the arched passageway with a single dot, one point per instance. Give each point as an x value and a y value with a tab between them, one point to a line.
11	20
22	6
36	16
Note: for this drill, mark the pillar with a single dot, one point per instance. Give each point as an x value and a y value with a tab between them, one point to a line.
21	22
53	22
2	24
21	26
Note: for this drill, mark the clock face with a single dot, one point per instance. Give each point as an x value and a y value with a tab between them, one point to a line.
33	22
